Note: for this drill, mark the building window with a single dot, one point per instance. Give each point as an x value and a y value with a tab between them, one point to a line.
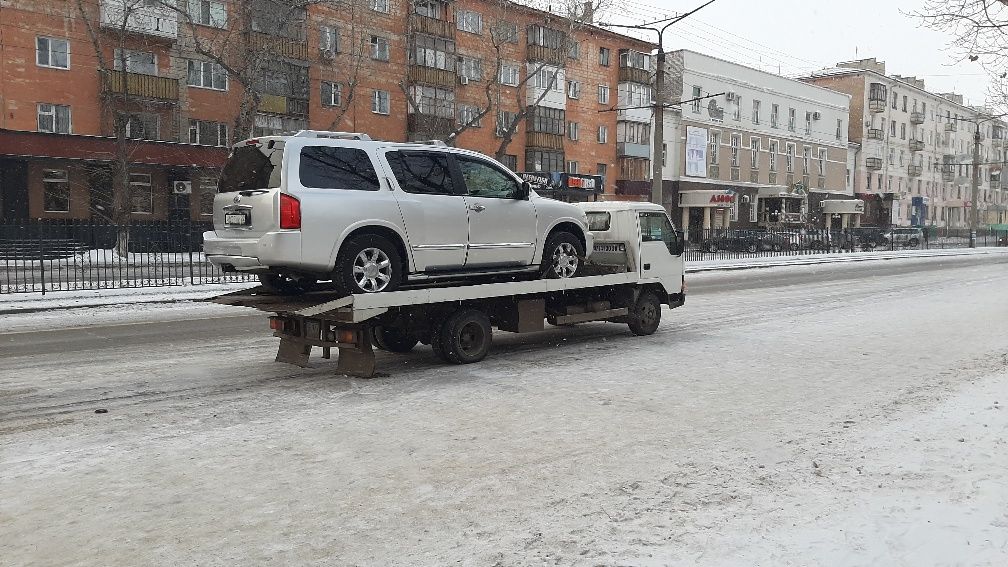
902	131
633	132
604	55
544	119
141	193
895	100
510	74
470	116
791	117
505	32
603	94
772	154
432	101
329	39
635	60
573	130
429	51
430	8
206	75
207	191
634	95
380	102
505	121
332	93
904	103
806	154
736	141
54	118
695	103
839	128
547	78
573	89
205	133
470	68
380	6
822	161
143	62
664	155
543	160
737	108
755	111
774	115
603	134
142	126
379	48
469	21
208	13
511	162
808	123
754	149
572	167
789	150
56	195
715	145
601	169
574	50
892	128
52	52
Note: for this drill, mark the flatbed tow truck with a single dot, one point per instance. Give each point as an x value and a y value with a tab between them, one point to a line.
635	267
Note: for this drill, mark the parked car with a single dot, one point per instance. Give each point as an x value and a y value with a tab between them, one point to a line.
902	237
370	215
750	241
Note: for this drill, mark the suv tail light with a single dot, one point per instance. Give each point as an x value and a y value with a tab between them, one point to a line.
290	212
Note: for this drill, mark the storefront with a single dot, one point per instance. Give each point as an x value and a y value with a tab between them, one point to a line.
782	207
880	209
569	187
705	209
842	213
955	213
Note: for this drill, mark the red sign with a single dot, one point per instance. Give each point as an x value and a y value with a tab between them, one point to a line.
722	198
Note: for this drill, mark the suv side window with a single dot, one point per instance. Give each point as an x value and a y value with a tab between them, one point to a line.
655	227
424	173
485	180
328	167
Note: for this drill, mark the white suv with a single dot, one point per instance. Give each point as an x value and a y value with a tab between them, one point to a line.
370	215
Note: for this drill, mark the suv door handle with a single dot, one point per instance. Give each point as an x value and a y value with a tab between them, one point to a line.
477	208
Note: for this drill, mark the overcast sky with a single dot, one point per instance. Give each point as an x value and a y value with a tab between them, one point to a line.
798	36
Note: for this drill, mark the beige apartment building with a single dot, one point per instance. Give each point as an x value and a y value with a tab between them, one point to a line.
913	163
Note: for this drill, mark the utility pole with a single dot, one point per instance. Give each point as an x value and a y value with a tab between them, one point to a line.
974	212
658	136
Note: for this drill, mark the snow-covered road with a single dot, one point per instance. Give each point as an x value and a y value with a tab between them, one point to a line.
818	415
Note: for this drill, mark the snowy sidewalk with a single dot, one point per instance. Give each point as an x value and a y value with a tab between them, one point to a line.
28	302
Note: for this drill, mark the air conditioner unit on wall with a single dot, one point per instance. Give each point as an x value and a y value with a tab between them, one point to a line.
731	97
182	187
463	80
816	116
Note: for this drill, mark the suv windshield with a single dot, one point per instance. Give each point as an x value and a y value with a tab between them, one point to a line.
252	167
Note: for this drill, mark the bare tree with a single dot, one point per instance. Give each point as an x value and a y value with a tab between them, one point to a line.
112	27
979	31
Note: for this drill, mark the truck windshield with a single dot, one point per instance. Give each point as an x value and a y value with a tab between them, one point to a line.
251	167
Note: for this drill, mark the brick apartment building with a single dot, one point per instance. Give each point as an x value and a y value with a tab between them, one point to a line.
187	79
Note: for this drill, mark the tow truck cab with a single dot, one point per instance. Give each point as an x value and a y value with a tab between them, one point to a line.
637	237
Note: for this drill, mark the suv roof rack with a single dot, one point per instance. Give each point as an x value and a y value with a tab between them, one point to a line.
432	142
333	135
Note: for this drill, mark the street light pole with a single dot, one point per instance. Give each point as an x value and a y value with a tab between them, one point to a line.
658	136
974	212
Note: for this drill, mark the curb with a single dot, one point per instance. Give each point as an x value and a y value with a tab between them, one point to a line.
835	260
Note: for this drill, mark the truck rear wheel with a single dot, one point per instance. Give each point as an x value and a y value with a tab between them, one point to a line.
645	314
393	340
464	337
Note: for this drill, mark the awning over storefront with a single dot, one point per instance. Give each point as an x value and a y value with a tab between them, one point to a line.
954	203
843	206
16	143
707	198
779	191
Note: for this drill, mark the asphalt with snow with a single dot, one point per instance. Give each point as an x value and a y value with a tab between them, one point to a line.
831	414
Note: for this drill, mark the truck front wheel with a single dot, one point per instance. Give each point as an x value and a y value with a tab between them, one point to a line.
645	314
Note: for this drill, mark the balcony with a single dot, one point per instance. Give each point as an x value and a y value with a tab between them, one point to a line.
916	117
278	46
550	55
287	106
431	26
140	18
634	75
544	141
948	175
627	149
876	134
915	170
950	126
876	105
144	86
419	74
874	163
916	145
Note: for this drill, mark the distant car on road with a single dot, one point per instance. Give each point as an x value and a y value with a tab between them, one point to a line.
902	237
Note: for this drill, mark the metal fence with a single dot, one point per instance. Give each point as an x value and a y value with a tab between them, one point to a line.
60	255
714	244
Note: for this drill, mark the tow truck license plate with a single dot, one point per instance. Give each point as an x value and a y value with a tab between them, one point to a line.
236	218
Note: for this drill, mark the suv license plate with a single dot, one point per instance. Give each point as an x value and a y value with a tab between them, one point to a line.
236	218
